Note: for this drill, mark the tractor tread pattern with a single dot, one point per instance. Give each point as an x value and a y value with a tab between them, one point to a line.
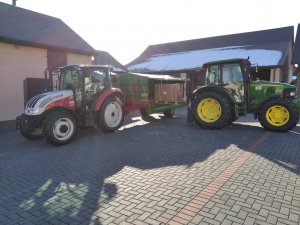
290	106
51	118
226	108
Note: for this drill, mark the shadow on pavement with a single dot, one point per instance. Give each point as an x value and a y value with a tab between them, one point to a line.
68	184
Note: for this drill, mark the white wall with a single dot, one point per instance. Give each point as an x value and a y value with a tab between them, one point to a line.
79	59
16	64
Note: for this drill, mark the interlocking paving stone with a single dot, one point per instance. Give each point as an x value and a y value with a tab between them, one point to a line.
150	173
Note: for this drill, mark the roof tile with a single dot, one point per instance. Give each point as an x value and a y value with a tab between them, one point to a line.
22	26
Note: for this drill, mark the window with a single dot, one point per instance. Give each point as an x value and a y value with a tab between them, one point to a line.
70	79
212	75
232	73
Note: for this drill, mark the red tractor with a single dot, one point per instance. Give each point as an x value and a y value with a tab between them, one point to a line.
85	97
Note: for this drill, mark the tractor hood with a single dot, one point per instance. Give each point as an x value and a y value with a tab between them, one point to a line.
42	102
264	83
266	88
262	90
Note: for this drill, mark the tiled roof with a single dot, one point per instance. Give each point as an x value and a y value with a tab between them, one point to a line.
191	54
21	26
104	58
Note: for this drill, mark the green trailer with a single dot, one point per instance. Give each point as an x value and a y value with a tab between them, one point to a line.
151	93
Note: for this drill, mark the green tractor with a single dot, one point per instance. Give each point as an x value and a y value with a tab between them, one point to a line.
230	91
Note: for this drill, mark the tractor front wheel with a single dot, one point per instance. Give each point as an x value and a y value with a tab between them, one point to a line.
278	115
111	114
211	110
60	127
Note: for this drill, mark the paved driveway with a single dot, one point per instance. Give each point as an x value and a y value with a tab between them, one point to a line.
153	171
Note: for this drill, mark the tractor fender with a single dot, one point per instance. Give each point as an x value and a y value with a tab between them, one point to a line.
108	92
56	109
215	89
38	120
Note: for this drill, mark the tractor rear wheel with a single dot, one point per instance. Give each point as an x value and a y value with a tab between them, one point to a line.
60	127
211	110
144	112
278	115
111	114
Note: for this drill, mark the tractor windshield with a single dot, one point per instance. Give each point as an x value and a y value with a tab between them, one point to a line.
224	74
70	79
232	73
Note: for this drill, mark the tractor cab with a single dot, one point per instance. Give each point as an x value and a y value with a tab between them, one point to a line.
86	82
84	98
233	75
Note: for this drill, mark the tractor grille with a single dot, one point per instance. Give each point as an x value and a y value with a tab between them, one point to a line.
31	103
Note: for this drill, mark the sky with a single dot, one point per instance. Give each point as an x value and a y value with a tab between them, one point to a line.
125	28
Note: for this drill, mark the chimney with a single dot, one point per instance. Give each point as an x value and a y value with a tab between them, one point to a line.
14	2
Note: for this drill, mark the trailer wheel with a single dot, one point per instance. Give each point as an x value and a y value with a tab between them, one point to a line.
144	112
60	127
278	115
169	113
211	110
111	114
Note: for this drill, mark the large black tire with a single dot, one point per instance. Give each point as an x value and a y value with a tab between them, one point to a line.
169	113
111	114
231	118
278	115
211	110
60	127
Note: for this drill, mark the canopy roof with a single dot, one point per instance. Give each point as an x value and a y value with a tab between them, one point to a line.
267	48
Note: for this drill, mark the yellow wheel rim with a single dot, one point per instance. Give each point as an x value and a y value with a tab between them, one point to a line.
209	110
277	115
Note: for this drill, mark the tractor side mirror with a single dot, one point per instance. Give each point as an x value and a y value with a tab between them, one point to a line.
256	67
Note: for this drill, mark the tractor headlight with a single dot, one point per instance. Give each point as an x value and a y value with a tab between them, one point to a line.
289	93
33	111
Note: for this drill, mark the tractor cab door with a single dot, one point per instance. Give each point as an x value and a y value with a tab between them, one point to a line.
71	78
96	80
232	79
